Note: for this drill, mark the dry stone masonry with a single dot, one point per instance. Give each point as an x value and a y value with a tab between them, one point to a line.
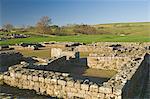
130	60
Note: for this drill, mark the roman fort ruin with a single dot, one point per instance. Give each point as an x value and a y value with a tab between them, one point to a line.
56	78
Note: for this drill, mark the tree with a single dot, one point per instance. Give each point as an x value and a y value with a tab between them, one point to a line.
8	27
43	26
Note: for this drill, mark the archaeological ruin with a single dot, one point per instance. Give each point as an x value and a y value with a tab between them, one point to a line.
63	75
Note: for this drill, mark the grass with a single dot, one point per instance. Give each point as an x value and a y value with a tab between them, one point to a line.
133	32
135	28
80	38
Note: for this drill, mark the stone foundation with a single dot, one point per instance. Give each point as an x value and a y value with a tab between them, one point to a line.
122	85
57	52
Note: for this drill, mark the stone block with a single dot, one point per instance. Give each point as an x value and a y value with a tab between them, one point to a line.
119	97
94	88
48	80
35	78
20	86
74	90
117	92
24	76
41	79
100	95
51	87
57	87
50	92
36	84
30	77
70	83
31	85
62	82
54	81
12	74
84	86
42	90
18	75
37	89
103	89
6	77
67	89
77	85
1	77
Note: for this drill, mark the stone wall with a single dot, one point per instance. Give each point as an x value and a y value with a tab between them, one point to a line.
128	83
105	47
52	83
57	52
134	85
107	63
122	85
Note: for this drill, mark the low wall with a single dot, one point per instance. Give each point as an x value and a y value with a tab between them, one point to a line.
108	63
52	83
57	52
134	85
129	82
122	85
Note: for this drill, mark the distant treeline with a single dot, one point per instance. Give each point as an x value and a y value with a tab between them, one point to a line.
45	26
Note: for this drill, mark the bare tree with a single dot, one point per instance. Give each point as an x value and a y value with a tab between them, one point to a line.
8	27
43	26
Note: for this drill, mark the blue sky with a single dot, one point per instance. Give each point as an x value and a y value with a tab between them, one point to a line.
62	12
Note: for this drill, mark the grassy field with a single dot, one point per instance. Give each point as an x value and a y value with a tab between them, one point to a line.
135	28
115	32
81	38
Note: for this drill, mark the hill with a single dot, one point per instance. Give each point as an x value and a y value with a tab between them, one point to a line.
134	28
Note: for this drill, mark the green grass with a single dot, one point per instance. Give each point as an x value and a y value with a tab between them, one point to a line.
135	28
81	38
134	32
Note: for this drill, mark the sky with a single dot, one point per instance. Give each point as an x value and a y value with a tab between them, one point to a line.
62	12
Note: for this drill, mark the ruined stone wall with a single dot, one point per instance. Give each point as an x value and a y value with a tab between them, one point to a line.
51	83
122	85
107	63
17	47
92	48
134	85
128	83
54	83
57	52
104	47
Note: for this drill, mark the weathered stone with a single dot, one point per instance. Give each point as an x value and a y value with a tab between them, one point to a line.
24	76
48	80
94	88
70	83
18	75
30	77
54	81
35	78
117	92
77	85
74	90
85	86
41	79
1	77
50	92
105	89
62	82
